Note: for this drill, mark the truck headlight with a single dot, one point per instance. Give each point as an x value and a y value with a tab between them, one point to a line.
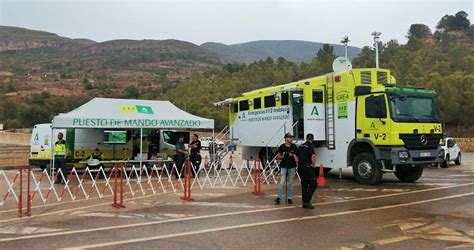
403	156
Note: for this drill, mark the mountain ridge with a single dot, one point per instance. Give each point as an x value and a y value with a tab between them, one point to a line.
293	50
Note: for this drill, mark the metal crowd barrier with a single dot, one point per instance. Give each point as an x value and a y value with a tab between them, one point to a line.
119	180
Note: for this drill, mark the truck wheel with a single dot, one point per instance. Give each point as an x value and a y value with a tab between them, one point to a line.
408	174
367	169
458	160
445	164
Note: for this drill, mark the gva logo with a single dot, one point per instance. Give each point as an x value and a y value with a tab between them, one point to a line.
342	96
136	109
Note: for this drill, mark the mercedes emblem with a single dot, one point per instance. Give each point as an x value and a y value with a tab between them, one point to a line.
423	140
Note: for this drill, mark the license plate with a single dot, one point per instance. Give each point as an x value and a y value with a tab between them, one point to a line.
425	154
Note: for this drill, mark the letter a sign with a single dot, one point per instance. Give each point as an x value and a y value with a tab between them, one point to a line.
314	111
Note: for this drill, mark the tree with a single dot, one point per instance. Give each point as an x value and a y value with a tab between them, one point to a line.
325	56
457	22
418	31
132	92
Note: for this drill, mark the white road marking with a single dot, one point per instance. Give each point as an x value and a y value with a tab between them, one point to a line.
211	216
395	190
27	230
391	240
174	235
74	209
318	204
419	184
129	216
423	228
207	195
446	179
370	190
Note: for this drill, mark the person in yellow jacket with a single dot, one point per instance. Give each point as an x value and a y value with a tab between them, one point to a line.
61	151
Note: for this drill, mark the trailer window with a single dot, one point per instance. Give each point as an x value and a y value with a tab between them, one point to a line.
244	105
270	101
235	107
317	96
257	103
284	98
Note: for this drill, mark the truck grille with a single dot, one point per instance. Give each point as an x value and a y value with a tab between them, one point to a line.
421	141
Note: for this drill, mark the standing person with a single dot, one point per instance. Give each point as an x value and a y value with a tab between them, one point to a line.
307	170
288	154
213	151
195	156
180	155
61	151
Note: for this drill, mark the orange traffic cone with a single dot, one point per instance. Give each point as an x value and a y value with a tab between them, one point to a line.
321	179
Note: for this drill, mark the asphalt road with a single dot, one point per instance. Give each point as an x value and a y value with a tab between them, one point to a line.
436	212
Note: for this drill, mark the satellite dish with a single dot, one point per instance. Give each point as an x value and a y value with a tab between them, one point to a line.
341	64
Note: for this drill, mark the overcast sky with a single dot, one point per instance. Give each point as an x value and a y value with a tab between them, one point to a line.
229	22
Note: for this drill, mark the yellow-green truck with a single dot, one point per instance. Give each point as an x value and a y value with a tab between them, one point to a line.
359	118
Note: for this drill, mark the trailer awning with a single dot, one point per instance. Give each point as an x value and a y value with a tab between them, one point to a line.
130	113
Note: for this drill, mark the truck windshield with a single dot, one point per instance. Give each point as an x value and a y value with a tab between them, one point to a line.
413	107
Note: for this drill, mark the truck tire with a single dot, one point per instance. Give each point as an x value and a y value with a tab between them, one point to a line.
458	160
408	174
367	169
445	164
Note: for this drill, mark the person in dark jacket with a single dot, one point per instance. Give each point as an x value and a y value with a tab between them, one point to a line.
307	170
195	156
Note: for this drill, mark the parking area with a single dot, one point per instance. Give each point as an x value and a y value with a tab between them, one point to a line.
347	215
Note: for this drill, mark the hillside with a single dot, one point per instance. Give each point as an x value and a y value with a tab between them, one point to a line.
14	38
292	50
36	61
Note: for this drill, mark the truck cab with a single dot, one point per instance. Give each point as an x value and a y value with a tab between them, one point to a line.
399	130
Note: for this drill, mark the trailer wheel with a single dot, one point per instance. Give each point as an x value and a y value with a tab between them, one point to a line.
367	169
408	174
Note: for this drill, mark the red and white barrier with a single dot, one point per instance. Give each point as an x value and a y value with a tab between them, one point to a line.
122	181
